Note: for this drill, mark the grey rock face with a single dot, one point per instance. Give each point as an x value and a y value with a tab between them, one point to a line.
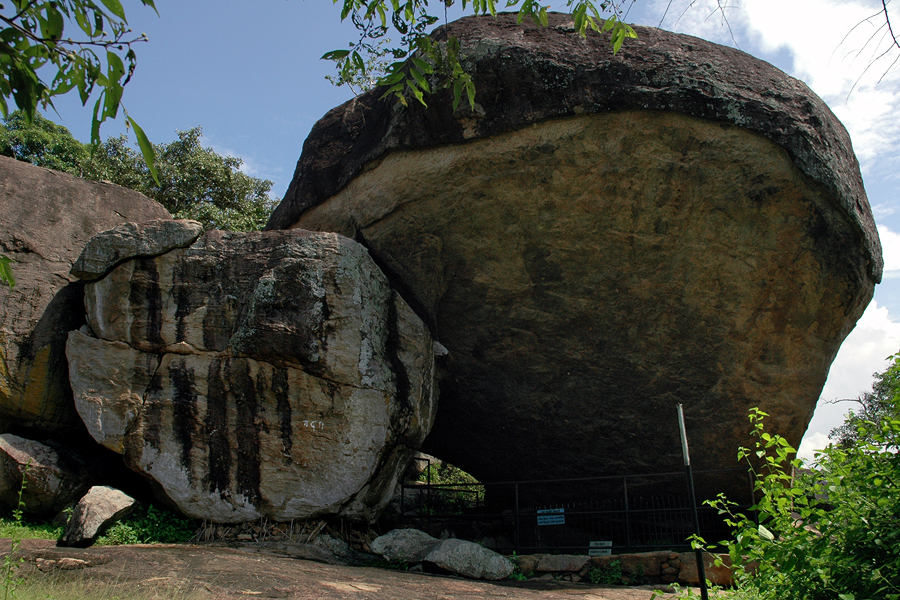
410	545
603	238
46	218
131	240
258	374
457	556
470	560
95	512
52	479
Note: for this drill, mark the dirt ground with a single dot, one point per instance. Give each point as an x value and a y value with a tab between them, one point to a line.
224	573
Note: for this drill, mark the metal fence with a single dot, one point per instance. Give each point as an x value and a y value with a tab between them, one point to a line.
596	515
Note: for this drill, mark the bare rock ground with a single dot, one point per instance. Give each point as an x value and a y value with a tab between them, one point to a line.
219	572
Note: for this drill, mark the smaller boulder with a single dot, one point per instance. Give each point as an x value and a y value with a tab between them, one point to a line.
410	545
470	560
131	240
53	479
457	556
95	512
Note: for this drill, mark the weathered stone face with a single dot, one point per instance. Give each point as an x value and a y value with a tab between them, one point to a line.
588	273
257	375
46	218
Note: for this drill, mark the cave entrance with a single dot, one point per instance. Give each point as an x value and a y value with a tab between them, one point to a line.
593	516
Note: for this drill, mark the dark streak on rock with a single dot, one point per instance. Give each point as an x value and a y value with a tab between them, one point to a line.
283	406
148	422
247	434
145	294
182	299
397	283
219	477
393	354
184	410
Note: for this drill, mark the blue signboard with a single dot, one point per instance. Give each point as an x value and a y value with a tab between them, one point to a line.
551	516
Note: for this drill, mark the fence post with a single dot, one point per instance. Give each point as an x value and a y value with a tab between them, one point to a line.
701	568
517	517
753	495
627	514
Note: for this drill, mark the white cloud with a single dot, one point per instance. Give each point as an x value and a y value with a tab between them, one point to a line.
810	444
890	249
863	353
837	60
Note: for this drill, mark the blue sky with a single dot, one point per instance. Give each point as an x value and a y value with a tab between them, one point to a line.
250	75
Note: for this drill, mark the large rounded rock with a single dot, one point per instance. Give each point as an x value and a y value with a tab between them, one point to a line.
46	218
259	374
604	237
53	477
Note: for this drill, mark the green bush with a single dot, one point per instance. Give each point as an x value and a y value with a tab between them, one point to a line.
452	499
609	574
149	526
833	534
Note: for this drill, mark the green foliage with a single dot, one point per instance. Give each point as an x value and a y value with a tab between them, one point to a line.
451	499
608	574
85	45
612	574
192	182
42	142
446	474
28	530
149	526
883	402
833	534
422	66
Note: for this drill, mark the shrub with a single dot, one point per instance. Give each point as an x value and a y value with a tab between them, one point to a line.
149	526
833	534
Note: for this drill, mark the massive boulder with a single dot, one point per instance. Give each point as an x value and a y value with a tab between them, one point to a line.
604	236
46	218
255	374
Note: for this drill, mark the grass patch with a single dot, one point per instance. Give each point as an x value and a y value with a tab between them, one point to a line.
25	530
54	587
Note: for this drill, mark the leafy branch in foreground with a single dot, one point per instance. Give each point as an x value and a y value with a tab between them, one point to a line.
34	38
829	533
434	66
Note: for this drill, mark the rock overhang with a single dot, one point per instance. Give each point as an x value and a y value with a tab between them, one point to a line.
567	75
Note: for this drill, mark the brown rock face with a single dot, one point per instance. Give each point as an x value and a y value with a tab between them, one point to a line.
603	238
261	374
46	218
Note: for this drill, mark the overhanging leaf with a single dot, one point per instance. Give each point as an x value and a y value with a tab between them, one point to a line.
146	149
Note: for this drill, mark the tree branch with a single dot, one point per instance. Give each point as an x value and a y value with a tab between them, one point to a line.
887	19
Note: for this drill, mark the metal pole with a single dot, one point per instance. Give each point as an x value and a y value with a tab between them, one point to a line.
517	517
627	514
701	569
